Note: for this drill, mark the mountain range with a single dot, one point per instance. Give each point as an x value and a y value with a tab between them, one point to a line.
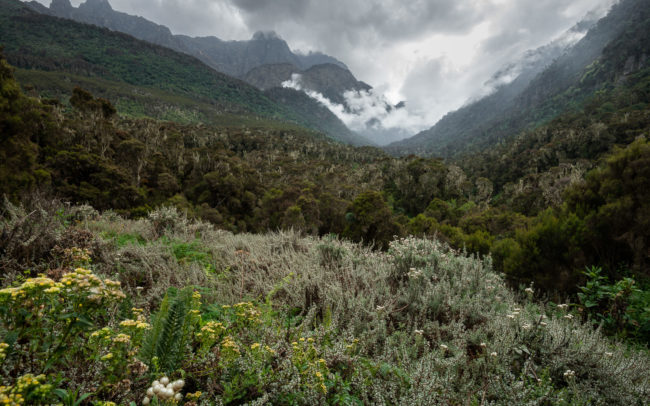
235	58
542	84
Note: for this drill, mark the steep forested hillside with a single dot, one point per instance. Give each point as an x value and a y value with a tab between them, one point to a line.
575	76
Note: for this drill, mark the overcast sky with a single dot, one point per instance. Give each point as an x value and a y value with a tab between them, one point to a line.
433	54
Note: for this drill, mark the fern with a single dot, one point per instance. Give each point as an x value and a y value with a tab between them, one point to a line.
165	345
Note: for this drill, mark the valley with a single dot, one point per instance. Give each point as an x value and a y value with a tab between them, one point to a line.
189	210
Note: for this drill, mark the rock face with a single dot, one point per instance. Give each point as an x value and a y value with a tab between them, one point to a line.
61	7
235	58
99	6
269	76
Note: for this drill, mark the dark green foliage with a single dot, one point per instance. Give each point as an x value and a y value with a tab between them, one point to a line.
165	344
22	124
416	184
622	308
542	252
614	203
84	101
370	219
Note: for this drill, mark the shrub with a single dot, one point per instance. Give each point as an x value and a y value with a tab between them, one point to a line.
621	308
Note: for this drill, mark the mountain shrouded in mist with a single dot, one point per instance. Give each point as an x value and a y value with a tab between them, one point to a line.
141	78
546	83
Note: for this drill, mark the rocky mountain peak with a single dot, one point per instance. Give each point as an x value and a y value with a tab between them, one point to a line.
266	36
96	5
60	5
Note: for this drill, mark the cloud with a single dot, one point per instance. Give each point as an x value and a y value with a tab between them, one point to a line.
367	112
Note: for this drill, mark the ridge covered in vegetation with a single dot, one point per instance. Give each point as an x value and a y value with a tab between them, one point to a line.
615	47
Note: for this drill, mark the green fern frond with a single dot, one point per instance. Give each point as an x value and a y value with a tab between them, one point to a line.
171	330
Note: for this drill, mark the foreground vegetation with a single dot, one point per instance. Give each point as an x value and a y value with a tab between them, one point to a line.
97	307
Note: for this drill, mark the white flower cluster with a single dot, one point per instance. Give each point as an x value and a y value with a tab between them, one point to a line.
164	390
569	374
414	273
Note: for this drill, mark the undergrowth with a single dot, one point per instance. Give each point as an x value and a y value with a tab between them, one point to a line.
106	309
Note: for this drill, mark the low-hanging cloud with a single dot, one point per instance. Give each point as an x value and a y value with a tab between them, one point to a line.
367	112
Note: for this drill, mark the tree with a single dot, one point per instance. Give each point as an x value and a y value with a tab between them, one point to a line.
369	219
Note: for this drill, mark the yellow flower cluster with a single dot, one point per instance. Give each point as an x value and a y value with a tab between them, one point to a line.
211	331
314	370
29	287
194	396
25	385
122	338
3	351
138	324
80	280
247	311
104	332
84	280
229	345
